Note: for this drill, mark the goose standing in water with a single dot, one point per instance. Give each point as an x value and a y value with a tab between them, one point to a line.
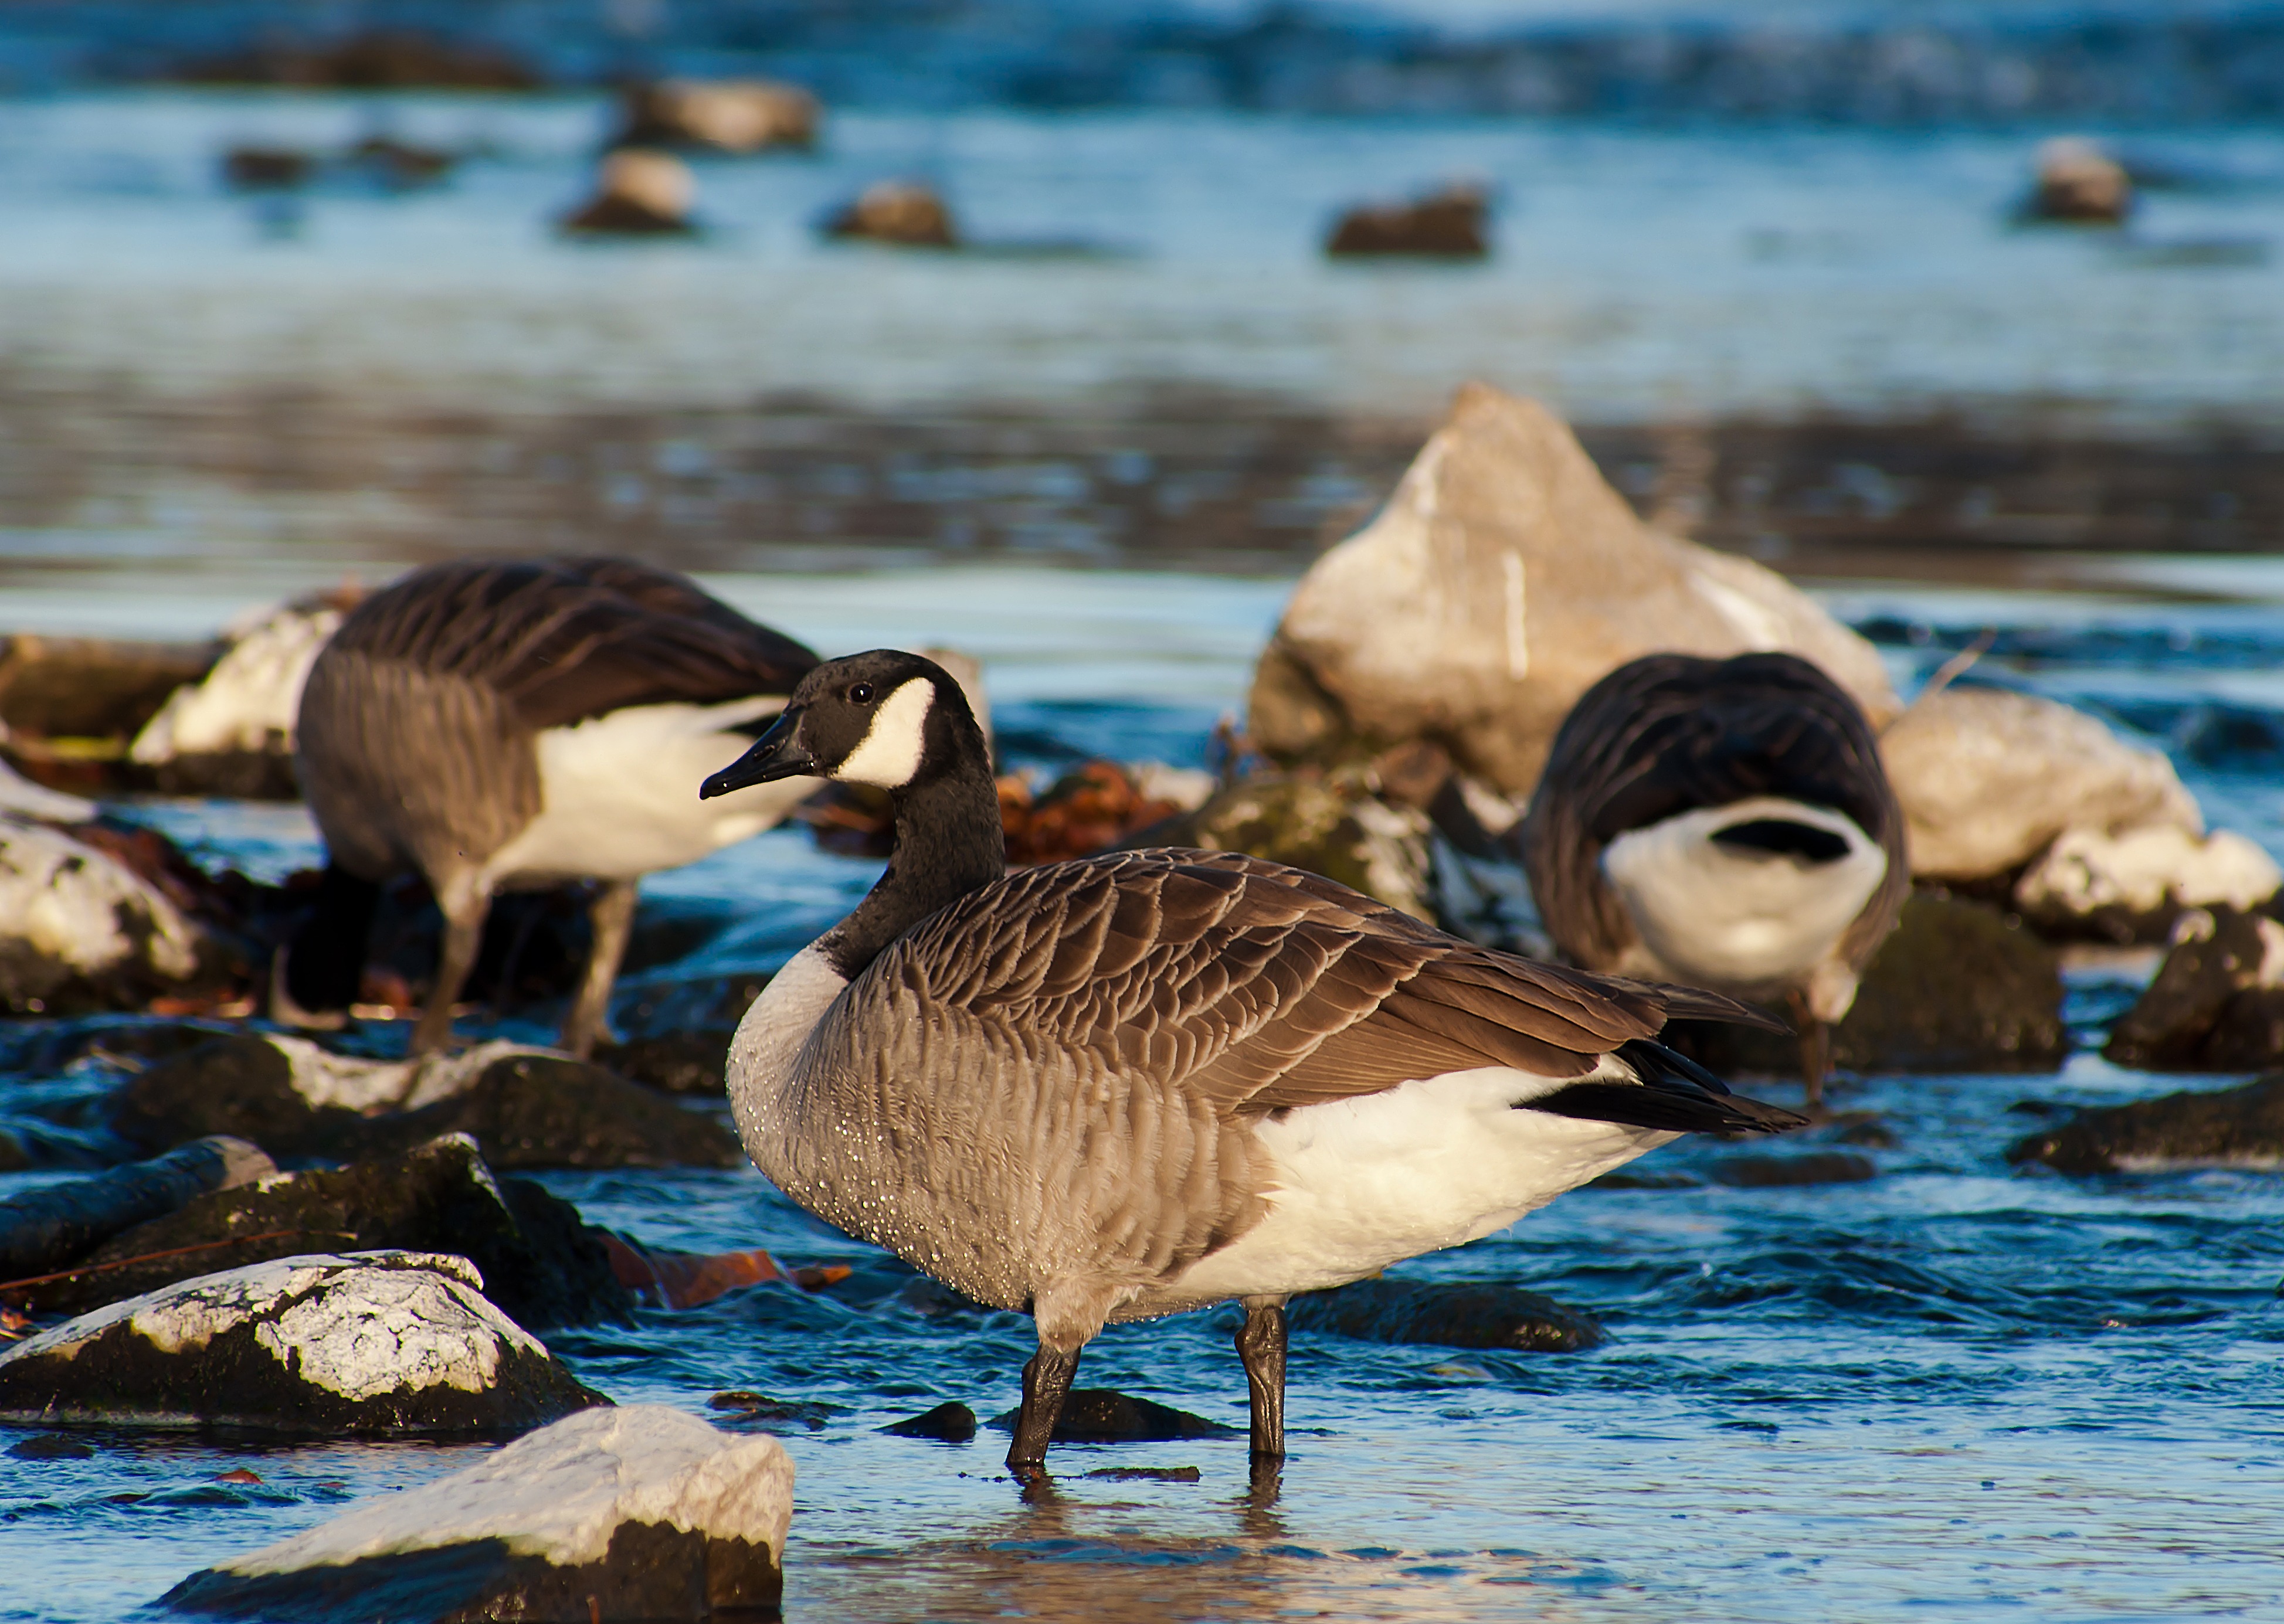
1152	1080
1725	824
502	725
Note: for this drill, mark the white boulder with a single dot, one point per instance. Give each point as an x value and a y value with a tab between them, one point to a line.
251	700
72	916
1503	579
2144	878
643	1512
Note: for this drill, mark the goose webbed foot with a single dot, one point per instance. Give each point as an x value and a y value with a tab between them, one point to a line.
1046	1383
1261	1346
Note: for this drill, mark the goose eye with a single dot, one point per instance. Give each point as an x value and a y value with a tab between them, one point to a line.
861	694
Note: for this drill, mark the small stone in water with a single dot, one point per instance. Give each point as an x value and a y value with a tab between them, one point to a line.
52	1446
1153	1474
1102	1415
238	1474
947	1423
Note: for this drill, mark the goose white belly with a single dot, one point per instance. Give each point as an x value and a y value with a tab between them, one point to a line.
1357	1184
618	799
1716	916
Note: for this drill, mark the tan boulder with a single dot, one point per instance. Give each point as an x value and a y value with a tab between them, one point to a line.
1502	580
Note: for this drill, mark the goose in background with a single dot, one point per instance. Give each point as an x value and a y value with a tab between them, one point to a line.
1723	823
499	725
1152	1080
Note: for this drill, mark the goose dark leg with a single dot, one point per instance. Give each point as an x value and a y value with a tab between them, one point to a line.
1261	1346
1815	1056
1046	1383
464	933
613	917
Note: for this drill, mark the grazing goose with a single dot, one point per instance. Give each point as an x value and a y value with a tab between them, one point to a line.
1725	823
502	725
1152	1080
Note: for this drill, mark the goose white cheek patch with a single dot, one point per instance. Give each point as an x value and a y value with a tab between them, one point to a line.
888	755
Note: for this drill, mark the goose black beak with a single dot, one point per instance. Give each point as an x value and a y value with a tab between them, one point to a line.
776	754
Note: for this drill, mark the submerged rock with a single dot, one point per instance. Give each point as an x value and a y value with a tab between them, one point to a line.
376	1343
2079	184
641	1512
540	1263
947	1423
903	213
1458	1314
526	1108
2217	1002
2227	1127
41	1229
1326	825
79	928
1503	579
638	193
1103	1415
1447	225
737	116
231	733
2132	887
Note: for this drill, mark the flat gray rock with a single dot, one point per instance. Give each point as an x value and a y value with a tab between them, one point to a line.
388	1343
1447	1314
642	1512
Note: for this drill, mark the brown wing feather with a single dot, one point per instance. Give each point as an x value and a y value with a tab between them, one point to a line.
563	640
1259	987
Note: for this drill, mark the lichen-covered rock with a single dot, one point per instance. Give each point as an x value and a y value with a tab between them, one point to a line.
1988	779
642	1512
1958	986
2217	1002
1456	1313
1323	824
1504	578
80	928
2225	1128
2132	887
540	1263
231	733
41	1229
526	1108
1103	1415
385	1343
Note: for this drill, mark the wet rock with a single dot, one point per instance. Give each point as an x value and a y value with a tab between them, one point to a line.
673	1062
2132	887
638	193
231	733
1502	580
2079	184
2227	1127
371	60
1458	1314
1958	986
540	1263
757	1410
387	1343
640	1513
1787	1172
903	213
2217	1002
948	1423
1103	1415
1324	824
1093	806
44	1229
738	116
526	1108
79	929
1448	224
674	1279
52	1446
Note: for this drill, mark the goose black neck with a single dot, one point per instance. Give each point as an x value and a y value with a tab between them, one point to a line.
948	842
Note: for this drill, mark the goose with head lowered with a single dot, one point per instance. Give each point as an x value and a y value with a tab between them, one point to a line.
1722	823
499	725
1152	1080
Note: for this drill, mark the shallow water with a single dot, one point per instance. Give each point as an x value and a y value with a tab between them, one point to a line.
1956	1387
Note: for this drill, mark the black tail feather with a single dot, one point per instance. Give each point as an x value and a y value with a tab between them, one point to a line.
1675	1095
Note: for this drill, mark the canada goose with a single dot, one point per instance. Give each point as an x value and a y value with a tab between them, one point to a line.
1152	1080
1725	823
501	725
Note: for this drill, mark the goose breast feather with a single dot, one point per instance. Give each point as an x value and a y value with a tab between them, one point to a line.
1061	1074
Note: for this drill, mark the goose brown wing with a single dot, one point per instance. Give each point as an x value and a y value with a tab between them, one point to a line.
561	640
1257	987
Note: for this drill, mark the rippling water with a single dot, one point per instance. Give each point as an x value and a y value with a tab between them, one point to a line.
1956	1387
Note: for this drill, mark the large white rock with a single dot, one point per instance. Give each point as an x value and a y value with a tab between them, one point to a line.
1503	579
18	794
391	1342
70	913
1988	779
322	1078
643	1511
252	698
2147	874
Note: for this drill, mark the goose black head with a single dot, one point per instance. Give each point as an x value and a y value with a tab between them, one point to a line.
884	718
